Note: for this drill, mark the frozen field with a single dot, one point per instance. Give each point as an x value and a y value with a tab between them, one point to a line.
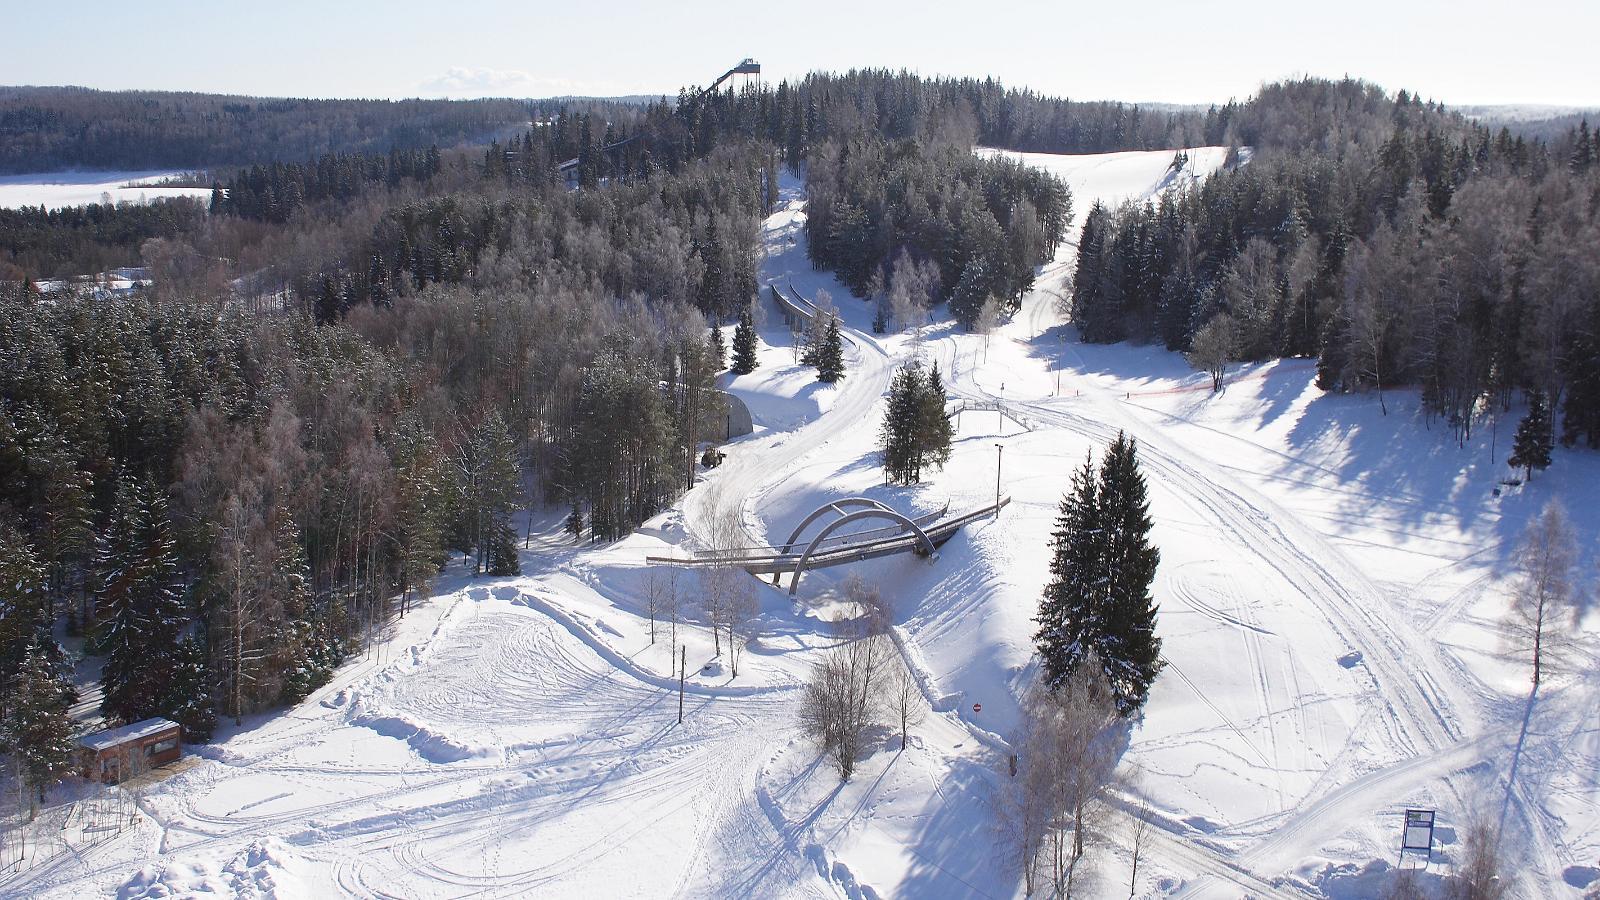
1330	584
57	190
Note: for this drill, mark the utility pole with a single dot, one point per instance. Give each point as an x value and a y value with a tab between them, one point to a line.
999	452
683	667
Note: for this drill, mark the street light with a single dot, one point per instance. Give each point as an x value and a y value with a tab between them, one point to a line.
999	451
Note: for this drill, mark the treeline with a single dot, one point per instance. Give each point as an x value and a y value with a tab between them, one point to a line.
40	243
1397	242
273	193
833	106
982	223
51	128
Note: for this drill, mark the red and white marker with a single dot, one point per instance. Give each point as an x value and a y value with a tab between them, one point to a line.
977	707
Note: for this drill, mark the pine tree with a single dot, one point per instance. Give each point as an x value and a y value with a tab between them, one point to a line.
1098	601
1531	447
141	637
36	728
830	355
744	343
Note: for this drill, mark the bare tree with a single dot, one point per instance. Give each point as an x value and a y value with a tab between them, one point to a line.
714	587
988	321
1404	886
1478	873
1213	347
742	607
1139	826
841	699
655	596
873	613
905	699
670	603
1066	768
1545	591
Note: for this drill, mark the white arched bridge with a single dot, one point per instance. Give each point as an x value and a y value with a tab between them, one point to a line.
836	543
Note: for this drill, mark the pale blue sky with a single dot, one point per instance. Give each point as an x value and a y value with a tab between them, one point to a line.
1462	52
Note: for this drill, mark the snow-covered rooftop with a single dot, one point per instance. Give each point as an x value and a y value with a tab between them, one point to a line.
105	740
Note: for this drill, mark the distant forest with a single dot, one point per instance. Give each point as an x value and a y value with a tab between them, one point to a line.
1396	242
372	345
45	129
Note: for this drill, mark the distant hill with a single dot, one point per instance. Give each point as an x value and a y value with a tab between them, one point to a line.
53	128
1532	120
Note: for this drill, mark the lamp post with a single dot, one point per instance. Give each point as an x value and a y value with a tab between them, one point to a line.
999	452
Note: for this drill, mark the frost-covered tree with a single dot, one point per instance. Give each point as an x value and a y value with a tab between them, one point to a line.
1213	348
1066	763
1546	591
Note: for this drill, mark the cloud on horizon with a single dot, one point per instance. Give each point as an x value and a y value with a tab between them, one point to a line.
481	81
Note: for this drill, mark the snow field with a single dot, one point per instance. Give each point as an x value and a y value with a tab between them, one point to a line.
59	190
1331	582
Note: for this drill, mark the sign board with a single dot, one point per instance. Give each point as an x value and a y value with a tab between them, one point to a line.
977	707
1418	834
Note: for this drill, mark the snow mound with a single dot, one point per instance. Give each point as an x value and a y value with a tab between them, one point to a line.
266	869
426	741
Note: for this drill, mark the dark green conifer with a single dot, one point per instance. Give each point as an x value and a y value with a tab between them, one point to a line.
744	343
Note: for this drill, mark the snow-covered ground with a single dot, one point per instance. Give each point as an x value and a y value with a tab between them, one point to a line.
58	190
1330	582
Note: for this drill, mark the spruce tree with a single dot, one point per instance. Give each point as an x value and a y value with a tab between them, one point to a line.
1532	446
1069	618
37	729
503	559
1098	601
1131	652
188	698
933	432
140	639
22	601
830	355
971	292
718	348
896	436
744	343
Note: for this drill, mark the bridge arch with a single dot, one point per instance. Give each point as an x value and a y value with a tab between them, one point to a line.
837	506
873	513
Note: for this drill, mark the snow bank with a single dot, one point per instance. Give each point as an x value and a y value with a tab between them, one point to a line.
265	870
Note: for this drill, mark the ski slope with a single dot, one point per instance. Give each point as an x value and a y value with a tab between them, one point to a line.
1330	582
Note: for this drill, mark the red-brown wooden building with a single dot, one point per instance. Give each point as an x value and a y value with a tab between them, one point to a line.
129	751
